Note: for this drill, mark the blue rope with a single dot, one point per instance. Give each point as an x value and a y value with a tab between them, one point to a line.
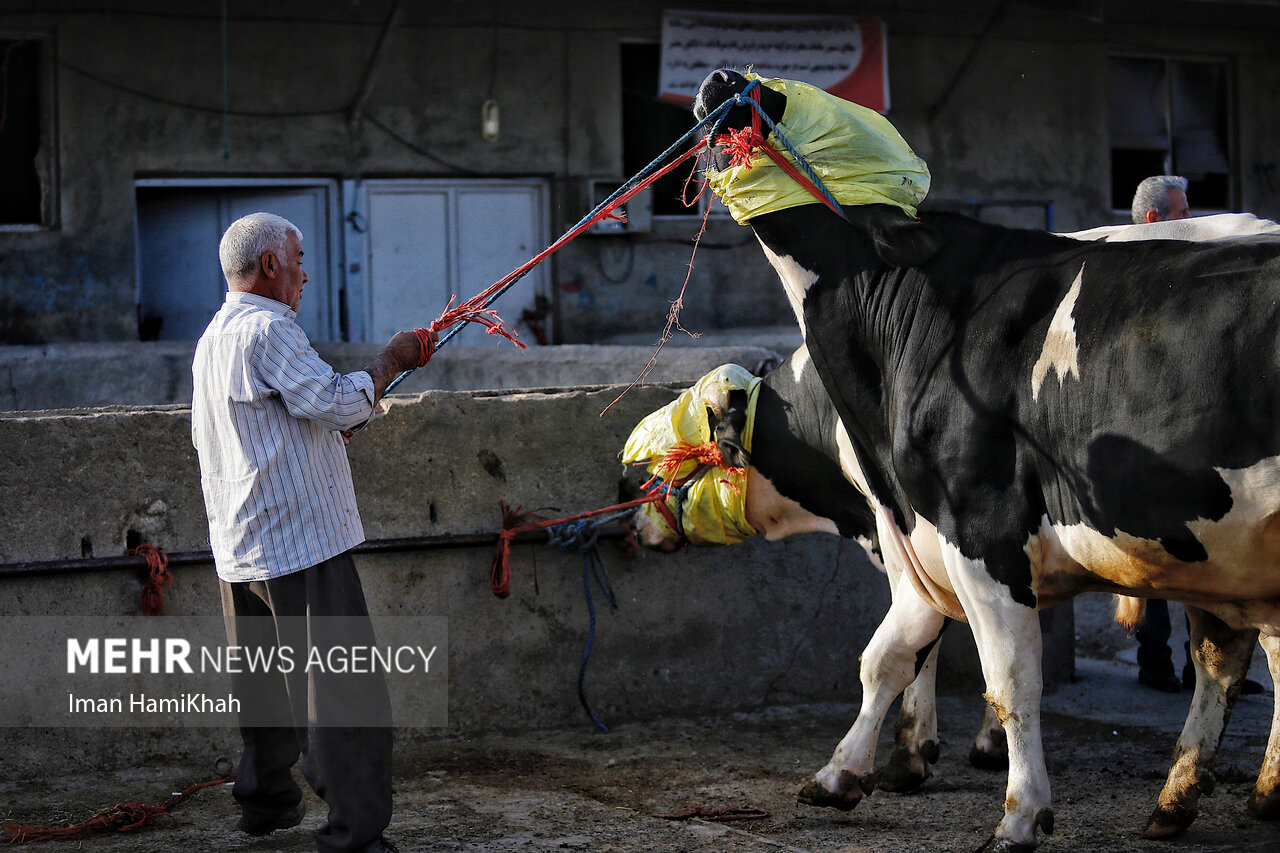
583	536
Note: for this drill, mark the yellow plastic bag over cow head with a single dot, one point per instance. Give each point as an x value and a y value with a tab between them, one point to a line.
856	152
714	507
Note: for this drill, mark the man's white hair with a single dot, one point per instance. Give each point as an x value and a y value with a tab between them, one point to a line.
248	238
1153	194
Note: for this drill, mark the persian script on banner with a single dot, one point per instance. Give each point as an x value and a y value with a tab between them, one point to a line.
846	56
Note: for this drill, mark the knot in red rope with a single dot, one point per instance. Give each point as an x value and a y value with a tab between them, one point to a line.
681	452
472	311
514	522
740	145
152	600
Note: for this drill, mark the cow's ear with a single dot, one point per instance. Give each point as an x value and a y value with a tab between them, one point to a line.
903	242
727	434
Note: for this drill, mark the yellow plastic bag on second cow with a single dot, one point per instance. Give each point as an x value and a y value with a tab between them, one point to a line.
713	512
858	154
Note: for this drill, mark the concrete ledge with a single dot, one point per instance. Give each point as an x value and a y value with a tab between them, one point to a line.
60	376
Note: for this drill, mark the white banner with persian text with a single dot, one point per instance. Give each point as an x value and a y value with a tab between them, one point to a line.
846	56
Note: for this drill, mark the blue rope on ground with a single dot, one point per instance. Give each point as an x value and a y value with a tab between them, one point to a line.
583	537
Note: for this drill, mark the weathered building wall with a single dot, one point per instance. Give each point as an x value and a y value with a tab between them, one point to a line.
1026	118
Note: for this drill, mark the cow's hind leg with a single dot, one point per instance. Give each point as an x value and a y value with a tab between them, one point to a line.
915	736
889	664
990	750
1221	656
1265	803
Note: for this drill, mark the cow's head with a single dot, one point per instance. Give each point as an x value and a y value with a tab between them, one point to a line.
718	87
696	443
665	525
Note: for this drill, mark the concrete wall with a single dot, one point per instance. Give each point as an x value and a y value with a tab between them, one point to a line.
706	630
1026	118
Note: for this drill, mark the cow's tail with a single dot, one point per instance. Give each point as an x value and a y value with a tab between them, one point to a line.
1129	611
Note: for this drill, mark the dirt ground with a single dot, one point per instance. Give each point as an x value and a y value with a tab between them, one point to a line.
1107	743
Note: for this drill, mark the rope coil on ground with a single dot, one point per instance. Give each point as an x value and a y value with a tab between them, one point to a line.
125	817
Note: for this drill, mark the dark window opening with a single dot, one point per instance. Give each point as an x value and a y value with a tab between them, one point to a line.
1170	117
650	125
21	132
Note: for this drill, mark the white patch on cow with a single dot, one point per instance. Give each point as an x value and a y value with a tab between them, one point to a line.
916	556
796	280
777	517
1251	528
1234	583
1220	226
799	361
849	460
1060	352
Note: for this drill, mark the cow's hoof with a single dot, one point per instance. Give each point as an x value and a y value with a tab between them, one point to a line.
852	790
1169	820
907	771
989	759
990	750
1265	806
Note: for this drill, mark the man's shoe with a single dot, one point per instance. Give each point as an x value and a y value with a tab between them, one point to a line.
1165	682
284	820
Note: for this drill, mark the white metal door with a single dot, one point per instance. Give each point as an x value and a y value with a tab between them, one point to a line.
427	240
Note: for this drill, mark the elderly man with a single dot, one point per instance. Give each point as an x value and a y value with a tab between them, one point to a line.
270	422
1159	198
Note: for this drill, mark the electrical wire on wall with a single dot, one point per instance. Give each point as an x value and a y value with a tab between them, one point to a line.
226	90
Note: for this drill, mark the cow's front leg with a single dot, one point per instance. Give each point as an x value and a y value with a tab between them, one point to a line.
1007	634
1265	803
915	734
888	665
1221	656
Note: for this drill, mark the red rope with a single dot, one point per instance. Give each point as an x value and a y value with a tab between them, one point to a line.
673	314
125	817
742	143
152	600
474	310
516	521
684	451
426	343
513	526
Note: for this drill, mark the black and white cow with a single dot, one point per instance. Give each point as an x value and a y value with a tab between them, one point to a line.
795	484
1033	417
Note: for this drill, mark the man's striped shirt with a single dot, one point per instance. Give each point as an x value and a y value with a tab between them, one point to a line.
266	418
